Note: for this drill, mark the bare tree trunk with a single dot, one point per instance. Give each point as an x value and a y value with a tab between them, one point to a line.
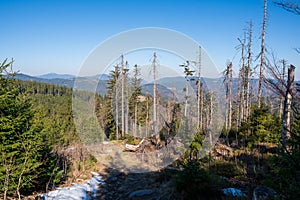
242	114
227	103
228	85
127	109
186	98
226	113
239	105
147	112
135	117
122	96
248	100
242	104
230	96
262	55
286	123
241	85
117	108
282	88
211	110
154	96
199	108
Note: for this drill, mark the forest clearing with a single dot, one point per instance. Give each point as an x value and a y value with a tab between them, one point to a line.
156	124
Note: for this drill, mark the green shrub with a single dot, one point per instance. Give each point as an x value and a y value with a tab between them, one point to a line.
284	175
227	169
197	183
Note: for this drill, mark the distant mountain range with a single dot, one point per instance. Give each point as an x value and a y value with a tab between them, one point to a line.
68	80
167	84
56	76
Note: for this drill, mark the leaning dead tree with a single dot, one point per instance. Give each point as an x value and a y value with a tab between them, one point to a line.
262	55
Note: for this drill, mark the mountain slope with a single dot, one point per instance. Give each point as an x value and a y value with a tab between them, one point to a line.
167	84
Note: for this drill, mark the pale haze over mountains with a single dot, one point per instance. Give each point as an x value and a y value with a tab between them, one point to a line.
167	83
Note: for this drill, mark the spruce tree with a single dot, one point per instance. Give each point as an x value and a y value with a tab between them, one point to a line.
21	145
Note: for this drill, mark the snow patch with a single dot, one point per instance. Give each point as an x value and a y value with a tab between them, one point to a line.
233	192
77	191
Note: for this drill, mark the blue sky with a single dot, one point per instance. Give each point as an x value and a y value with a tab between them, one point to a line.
57	36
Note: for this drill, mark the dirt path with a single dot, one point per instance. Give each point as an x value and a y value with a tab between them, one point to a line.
154	185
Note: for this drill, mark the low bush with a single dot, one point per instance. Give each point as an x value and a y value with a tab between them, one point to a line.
198	183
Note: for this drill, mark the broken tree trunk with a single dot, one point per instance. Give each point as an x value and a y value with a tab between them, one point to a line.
286	118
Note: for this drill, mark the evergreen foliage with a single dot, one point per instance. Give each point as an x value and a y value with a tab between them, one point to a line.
197	182
262	127
35	119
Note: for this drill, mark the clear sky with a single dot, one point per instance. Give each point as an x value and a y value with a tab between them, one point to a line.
57	36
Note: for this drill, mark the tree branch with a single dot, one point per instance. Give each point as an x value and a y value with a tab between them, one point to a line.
289	6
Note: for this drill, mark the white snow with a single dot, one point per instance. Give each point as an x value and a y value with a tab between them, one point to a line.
77	191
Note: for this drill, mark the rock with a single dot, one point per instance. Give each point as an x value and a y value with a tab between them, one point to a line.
261	193
233	192
140	193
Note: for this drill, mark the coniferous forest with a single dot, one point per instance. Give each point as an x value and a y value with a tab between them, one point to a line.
256	154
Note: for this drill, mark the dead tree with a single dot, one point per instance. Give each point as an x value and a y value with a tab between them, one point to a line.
286	118
281	97
122	95
262	55
239	100
228	86
116	99
248	72
154	95
199	95
241	84
276	82
230	96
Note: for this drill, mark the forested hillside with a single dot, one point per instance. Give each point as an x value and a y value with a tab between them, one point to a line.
36	127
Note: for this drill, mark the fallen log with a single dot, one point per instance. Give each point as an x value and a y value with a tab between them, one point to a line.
131	147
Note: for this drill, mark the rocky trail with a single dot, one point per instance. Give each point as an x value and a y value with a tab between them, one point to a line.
152	185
